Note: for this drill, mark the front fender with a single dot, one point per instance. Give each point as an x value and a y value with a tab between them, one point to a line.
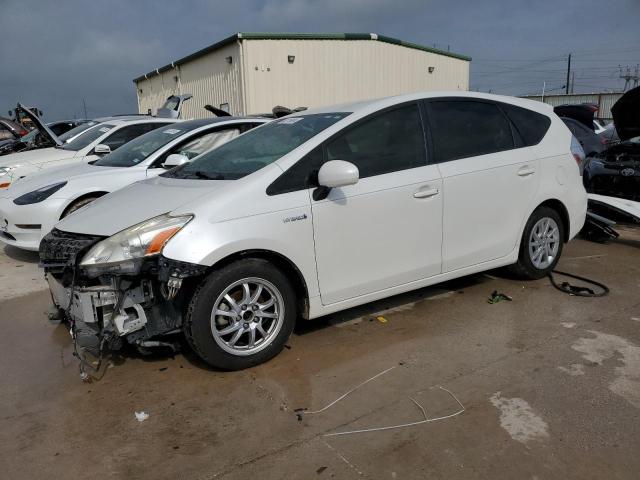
288	233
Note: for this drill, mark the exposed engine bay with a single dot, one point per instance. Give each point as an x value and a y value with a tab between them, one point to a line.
106	310
615	172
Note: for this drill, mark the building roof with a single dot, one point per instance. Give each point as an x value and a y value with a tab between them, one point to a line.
298	36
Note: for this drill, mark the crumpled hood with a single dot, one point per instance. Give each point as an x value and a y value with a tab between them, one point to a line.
63	173
40	125
626	114
35	157
136	203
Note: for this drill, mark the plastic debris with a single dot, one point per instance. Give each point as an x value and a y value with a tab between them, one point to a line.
381	319
141	416
498	297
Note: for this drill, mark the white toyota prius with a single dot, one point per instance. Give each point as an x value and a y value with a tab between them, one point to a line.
314	213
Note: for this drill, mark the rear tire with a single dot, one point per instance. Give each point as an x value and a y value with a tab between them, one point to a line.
541	244
255	312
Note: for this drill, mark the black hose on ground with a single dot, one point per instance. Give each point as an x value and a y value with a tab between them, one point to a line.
567	288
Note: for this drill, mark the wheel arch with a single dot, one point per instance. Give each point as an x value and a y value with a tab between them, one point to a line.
559	207
289	268
84	196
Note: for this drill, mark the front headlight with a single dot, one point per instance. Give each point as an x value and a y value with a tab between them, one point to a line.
39	195
4	173
125	249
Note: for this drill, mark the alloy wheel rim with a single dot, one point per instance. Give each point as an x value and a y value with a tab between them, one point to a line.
544	243
247	316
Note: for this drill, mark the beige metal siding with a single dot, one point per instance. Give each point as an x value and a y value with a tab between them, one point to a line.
604	101
333	71
210	78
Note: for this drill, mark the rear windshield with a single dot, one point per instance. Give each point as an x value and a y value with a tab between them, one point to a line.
139	149
257	148
90	135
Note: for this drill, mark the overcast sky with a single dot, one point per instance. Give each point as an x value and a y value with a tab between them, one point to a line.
55	53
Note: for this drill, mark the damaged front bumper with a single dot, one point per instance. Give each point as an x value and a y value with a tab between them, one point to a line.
111	308
104	307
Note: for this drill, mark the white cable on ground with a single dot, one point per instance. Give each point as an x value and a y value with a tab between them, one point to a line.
349	392
426	420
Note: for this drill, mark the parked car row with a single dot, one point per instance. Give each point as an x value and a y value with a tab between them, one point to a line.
612	165
231	233
35	203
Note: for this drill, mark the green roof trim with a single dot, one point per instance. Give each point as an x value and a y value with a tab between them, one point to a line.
298	36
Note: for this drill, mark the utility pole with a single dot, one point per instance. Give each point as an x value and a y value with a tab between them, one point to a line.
573	80
84	105
629	77
568	74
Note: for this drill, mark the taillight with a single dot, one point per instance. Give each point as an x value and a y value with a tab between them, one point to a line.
577	152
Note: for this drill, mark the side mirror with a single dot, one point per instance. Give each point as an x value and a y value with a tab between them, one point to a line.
175	160
334	174
338	173
102	149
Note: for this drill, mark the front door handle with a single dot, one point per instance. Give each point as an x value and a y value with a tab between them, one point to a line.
425	193
526	171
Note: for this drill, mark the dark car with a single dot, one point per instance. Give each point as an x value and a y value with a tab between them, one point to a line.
10	130
42	136
615	171
64	126
590	142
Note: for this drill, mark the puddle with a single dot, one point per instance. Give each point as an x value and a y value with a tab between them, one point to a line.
518	419
604	347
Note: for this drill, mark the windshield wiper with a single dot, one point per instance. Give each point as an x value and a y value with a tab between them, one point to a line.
206	176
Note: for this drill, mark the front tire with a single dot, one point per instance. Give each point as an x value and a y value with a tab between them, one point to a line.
77	205
241	315
541	244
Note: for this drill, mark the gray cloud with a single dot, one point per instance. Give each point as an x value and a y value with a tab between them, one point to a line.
54	54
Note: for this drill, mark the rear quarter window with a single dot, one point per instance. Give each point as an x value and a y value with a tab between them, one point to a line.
532	126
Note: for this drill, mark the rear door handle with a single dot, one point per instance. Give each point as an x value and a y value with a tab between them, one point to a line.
526	171
425	193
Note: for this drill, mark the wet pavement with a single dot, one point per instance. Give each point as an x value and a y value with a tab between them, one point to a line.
550	385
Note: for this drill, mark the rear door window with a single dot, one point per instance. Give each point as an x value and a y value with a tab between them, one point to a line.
461	129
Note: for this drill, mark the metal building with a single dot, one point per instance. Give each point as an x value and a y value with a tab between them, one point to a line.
250	73
604	101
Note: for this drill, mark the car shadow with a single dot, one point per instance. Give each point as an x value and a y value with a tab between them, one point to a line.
303	327
20	255
378	307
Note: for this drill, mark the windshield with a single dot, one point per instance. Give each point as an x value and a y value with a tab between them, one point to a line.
91	134
171	103
66	136
139	149
256	149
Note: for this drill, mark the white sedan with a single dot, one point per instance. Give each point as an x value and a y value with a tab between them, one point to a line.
317	212
32	205
93	141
